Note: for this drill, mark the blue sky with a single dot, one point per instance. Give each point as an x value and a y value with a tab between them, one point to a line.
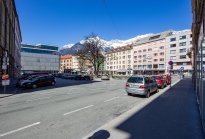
61	22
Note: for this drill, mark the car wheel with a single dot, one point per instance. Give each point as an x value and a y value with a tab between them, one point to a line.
129	94
157	90
52	83
162	87
148	94
34	86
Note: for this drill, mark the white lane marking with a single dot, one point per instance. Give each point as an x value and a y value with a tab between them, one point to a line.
46	93
22	128
78	110
111	99
72	93
38	99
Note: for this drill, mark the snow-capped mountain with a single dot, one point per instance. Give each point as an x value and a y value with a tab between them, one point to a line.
109	45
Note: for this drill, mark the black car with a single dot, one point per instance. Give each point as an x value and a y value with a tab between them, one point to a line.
88	77
40	81
78	77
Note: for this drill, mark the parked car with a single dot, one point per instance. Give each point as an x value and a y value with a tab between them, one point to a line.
87	77
141	85
167	78
161	82
105	77
67	76
24	76
73	76
21	83
40	81
78	77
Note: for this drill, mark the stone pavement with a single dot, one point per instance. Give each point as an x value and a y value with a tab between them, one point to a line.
170	114
10	89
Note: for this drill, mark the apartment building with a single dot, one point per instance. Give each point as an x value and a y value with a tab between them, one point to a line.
119	61
177	46
10	39
81	65
66	62
149	54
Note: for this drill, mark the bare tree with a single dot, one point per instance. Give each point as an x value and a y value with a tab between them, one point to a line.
92	51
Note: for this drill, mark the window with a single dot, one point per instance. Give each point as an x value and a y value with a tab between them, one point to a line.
172	51
182	56
144	55
161	59
149	66
135	52
155	60
120	62
139	56
123	62
161	66
182	50
182	44
139	61
129	56
172	39
155	66
155	54
182	37
123	52
123	57
150	49
135	61
144	50
161	47
172	45
144	60
154	37
174	63
162	53
123	66
190	35
129	51
172	57
139	51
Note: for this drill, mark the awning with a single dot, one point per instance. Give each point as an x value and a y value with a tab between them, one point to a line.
121	70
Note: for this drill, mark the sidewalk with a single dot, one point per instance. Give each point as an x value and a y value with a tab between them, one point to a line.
170	114
10	89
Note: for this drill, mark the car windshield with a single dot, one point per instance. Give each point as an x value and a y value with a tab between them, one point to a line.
156	77
135	80
35	79
104	75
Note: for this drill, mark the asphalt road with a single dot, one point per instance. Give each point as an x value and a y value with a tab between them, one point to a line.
71	109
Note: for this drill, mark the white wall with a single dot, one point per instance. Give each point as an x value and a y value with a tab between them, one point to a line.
40	62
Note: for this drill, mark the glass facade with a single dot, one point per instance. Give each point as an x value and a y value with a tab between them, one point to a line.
40	49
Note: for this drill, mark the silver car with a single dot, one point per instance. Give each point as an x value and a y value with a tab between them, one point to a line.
141	85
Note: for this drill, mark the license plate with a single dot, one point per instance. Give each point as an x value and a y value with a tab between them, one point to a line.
135	85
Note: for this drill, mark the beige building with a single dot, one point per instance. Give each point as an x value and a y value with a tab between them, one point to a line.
149	54
66	62
119	61
80	65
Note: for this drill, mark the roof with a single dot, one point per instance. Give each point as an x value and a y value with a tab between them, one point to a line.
66	57
122	48
154	37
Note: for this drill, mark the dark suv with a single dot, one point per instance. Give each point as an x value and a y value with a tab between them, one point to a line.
40	81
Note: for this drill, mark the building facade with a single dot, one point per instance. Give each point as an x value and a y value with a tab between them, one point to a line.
149	54
66	62
81	65
177	46
119	61
10	39
198	37
39	58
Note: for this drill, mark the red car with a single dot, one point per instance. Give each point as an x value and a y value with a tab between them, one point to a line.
161	82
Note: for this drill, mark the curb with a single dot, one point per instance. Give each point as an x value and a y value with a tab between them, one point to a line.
110	126
8	95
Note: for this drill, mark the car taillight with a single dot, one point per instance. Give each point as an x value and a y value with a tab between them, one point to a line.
142	86
127	85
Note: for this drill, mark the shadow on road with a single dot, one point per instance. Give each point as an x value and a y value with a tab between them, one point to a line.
101	134
174	114
63	83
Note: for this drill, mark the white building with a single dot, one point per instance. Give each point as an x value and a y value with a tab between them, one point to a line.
176	49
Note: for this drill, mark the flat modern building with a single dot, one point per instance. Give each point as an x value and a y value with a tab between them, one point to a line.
176	51
119	61
39	58
66	62
149	54
10	39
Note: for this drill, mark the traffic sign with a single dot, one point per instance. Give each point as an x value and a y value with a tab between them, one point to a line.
170	63
181	69
5	77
